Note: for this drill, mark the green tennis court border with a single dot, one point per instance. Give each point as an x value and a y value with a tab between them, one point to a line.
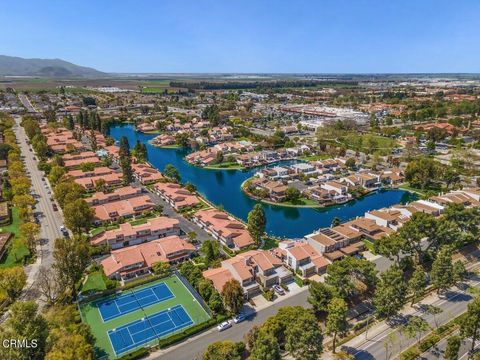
91	314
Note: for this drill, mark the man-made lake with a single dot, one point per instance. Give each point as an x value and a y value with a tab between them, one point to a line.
222	187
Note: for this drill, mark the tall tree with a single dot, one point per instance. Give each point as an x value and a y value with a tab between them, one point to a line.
336	319
71	258
126	165
78	216
124	149
470	323
417	283
232	294
256	223
12	281
453	346
225	350
265	347
390	293
442	270
172	173
320	296
25	323
415	327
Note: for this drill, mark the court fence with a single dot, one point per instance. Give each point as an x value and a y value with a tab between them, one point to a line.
130	285
194	292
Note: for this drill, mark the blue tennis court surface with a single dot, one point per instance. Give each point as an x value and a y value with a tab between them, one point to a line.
139	332
134	300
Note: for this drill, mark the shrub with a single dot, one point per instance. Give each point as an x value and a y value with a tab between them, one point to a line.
268	294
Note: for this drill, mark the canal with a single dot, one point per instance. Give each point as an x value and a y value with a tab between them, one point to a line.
222	187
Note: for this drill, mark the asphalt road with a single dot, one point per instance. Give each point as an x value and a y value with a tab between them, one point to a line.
50	220
194	347
453	304
437	352
26	102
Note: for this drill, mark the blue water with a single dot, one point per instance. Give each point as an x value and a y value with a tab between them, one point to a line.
222	187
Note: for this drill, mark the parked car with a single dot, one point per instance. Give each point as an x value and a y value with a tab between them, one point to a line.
239	318
279	290
224	325
54	206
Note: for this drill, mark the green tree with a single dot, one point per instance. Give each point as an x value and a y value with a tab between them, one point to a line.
56	174
126	165
390	246
459	272
434	311
124	150
292	194
29	232
417	283
442	270
453	346
233	296
351	275
161	268
415	327
71	259
390	293
12	281
224	350
210	249
320	295
256	223
336	221
171	172
68	191
336	323
190	187
470	323
303	338
78	216
24	323
265	347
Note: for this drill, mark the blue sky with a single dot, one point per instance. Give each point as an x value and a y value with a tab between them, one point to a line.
334	36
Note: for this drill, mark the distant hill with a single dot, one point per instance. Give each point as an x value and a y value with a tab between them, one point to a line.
17	66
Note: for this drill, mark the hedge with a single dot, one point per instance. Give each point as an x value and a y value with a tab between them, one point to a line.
163	343
137	354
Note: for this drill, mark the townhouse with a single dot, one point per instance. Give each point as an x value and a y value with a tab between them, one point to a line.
146	174
223	227
121	193
301	257
136	261
88	179
73	161
176	195
127	234
340	190
254	270
122	209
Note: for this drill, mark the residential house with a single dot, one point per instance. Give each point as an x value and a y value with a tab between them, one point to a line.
127	234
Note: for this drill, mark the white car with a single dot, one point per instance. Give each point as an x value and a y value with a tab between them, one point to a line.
62	228
224	325
279	290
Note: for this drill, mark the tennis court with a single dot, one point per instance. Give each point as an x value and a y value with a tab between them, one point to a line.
142	331
134	300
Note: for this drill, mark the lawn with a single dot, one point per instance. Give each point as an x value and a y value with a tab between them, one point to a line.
225	165
17	251
370	246
269	243
94	282
301	202
182	296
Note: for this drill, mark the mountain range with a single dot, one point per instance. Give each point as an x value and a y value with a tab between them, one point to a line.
17	66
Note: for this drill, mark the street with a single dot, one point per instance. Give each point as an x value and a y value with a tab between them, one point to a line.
437	351
193	348
50	220
373	345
